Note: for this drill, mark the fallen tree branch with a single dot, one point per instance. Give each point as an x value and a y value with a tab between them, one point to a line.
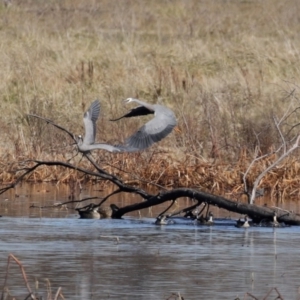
253	211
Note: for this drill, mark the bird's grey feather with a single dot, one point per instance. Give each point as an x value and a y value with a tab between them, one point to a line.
153	131
88	143
107	147
90	118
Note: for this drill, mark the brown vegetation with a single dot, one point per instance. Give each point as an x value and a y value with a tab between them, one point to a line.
225	68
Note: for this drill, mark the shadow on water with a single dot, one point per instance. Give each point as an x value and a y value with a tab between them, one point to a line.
134	259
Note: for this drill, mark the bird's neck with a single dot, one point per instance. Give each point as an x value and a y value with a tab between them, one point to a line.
79	140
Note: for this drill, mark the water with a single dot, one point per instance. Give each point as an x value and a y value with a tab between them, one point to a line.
134	259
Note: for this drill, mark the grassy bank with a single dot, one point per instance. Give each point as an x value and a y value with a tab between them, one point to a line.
225	67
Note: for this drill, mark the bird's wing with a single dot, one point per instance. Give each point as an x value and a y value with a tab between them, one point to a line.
89	119
106	147
153	131
137	111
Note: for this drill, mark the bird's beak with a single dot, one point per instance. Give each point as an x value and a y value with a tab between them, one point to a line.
125	101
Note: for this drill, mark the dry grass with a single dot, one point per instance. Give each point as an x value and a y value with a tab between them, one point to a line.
6	293
225	67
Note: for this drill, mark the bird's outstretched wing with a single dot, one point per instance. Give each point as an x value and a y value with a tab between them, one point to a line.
107	147
137	111
150	133
153	131
89	119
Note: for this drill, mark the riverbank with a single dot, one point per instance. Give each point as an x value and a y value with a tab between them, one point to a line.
229	75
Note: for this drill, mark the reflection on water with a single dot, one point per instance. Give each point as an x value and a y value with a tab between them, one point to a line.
149	262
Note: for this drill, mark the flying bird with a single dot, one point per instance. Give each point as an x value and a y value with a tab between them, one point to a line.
87	143
153	131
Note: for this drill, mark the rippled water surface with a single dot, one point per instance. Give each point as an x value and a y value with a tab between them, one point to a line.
134	259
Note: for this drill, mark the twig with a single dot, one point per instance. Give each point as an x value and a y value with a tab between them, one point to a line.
256	159
172	203
264	172
11	256
274	288
57	126
63	203
187	209
102	174
108	196
57	293
136	177
253	297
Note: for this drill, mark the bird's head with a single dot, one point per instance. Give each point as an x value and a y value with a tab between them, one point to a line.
128	100
79	139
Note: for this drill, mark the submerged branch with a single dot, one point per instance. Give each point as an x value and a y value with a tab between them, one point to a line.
253	211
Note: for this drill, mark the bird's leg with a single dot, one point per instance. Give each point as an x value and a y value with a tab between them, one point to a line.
80	159
73	155
78	181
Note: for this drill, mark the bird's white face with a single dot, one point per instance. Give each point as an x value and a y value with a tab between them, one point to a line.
127	100
79	139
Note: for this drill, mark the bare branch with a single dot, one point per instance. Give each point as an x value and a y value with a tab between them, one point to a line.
117	181
108	196
172	203
136	177
185	210
280	133
57	126
62	204
101	173
11	256
262	174
256	159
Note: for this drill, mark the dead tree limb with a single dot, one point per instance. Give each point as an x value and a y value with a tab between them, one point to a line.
101	174
275	163
55	125
253	211
286	147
